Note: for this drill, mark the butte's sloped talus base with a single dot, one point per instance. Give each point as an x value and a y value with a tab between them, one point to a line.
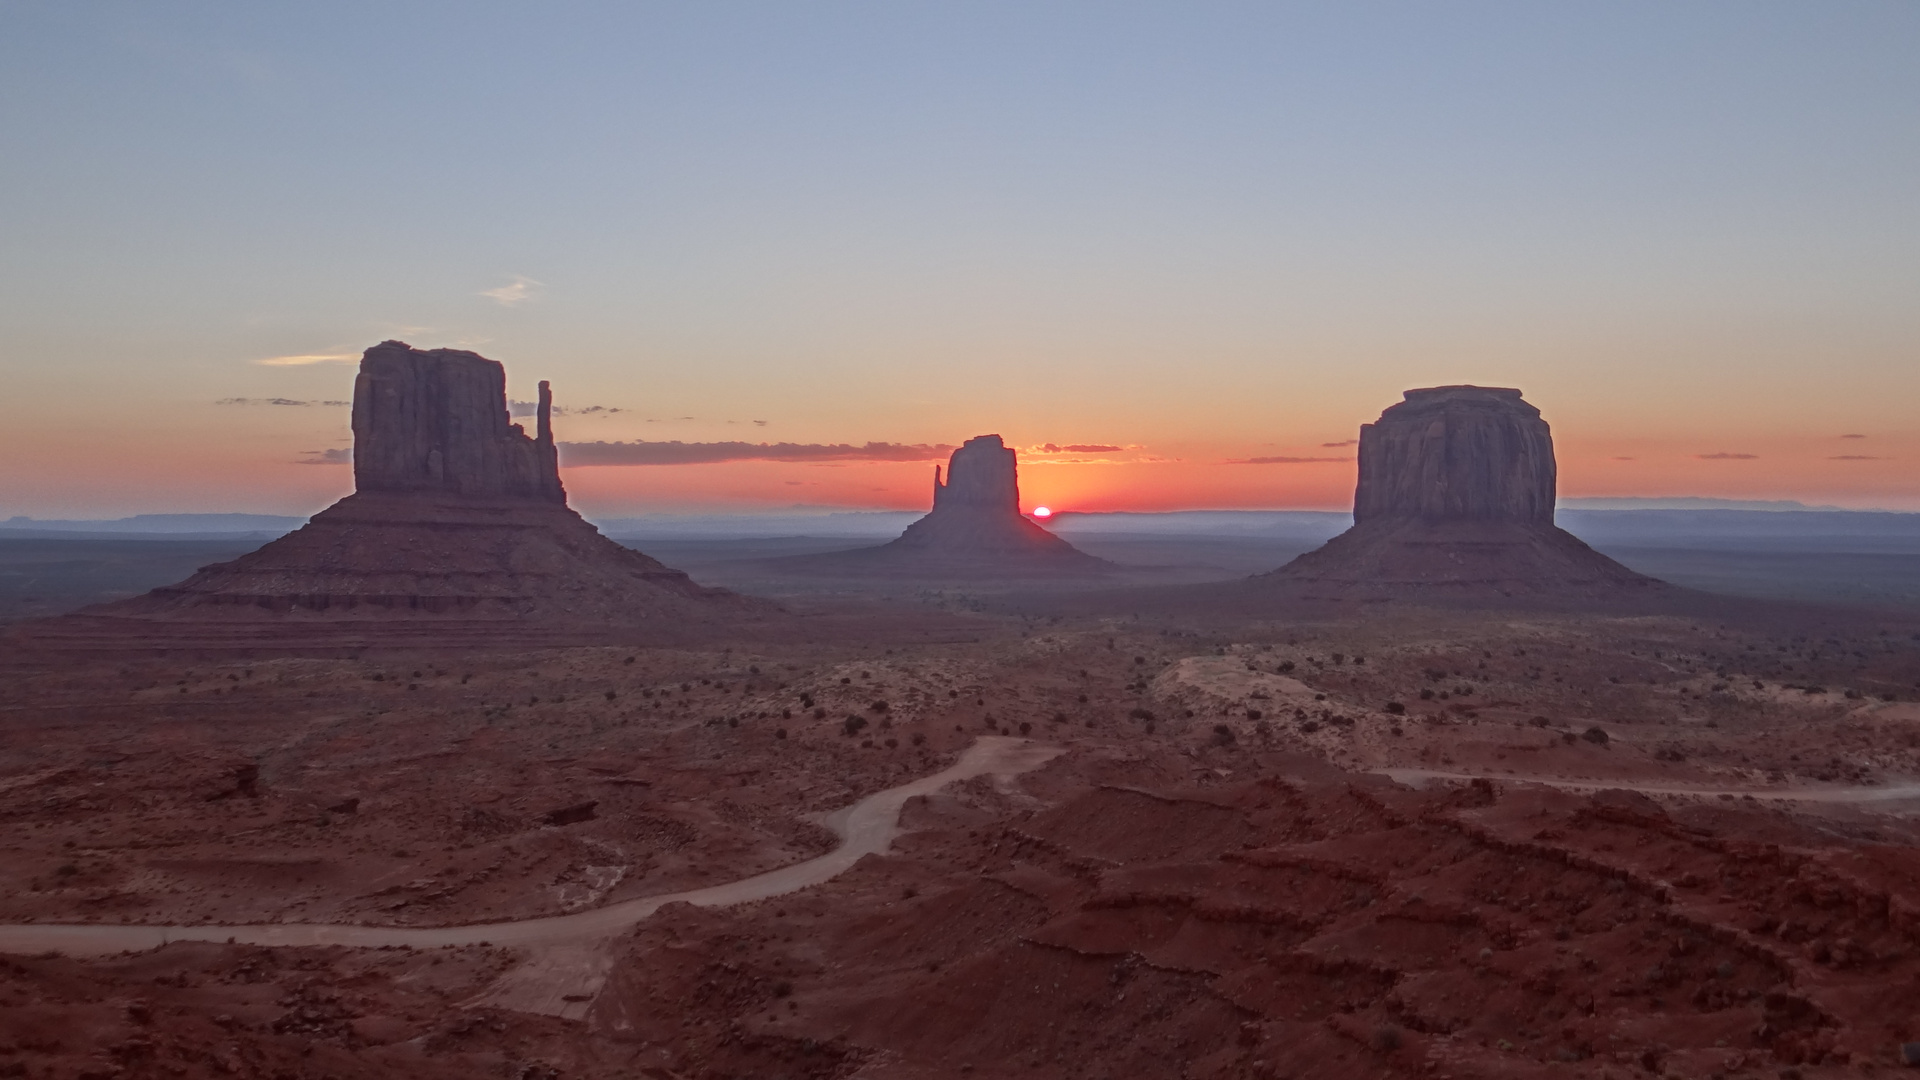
381	569
376	555
1455	502
975	531
1400	558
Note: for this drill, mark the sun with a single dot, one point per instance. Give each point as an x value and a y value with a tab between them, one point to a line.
1041	511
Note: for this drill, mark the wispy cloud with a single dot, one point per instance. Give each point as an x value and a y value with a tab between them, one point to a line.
1725	456
1284	460
1853	436
518	291
1078	448
641	452
1855	457
303	359
279	401
1343	442
341	455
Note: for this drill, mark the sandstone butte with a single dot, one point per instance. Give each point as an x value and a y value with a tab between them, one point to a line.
457	529
1455	500
975	530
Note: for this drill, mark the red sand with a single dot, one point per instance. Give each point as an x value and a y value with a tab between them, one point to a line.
1191	890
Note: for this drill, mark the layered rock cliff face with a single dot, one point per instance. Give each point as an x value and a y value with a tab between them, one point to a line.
1457	453
975	530
1455	499
436	421
459	519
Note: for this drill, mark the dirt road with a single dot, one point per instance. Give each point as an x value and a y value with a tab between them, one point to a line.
866	827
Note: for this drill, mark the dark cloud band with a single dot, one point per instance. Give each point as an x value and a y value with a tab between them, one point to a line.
641	452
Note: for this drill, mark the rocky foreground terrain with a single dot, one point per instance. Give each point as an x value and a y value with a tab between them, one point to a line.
1416	845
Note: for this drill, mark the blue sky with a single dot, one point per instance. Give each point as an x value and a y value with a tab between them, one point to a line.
1202	232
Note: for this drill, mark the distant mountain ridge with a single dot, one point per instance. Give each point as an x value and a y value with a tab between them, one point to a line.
196	524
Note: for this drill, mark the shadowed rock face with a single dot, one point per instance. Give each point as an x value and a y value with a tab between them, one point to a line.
975	531
976	511
1457	453
436	421
1455	499
977	508
982	477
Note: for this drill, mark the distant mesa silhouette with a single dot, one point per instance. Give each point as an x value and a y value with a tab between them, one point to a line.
458	517
975	529
1455	498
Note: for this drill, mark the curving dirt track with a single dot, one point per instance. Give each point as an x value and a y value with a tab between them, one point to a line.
865	828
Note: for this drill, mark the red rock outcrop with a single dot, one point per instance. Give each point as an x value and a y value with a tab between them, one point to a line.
1455	498
1457	453
435	421
976	510
459	521
975	529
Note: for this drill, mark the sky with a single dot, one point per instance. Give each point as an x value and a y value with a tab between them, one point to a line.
1191	246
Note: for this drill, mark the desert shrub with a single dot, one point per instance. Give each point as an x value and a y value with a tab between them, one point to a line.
854	723
1396	708
1595	735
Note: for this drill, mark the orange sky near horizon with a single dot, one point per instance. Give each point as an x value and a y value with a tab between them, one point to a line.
1202	233
244	459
